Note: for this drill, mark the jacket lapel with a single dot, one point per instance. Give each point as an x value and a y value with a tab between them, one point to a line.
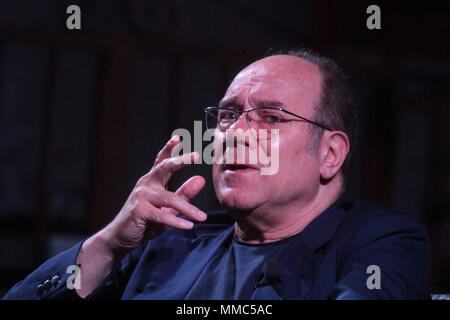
302	260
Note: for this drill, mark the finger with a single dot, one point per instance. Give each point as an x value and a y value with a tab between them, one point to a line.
191	187
160	219
170	210
166	151
188	190
172	220
164	171
170	200
161	173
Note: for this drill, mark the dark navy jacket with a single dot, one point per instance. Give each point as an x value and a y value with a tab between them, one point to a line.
329	259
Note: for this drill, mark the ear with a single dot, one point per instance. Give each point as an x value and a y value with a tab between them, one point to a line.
334	148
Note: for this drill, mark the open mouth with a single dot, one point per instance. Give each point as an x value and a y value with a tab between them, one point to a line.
236	167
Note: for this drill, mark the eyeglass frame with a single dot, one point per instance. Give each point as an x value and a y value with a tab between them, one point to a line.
240	112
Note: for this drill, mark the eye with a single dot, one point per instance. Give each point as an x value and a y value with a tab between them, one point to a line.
272	118
225	115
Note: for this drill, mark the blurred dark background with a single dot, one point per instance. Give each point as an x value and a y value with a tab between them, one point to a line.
84	112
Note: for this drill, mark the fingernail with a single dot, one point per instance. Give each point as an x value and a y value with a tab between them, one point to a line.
175	138
202	216
187	224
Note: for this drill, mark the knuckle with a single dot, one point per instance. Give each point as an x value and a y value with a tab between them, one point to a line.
135	208
171	197
140	192
158	157
165	163
141	180
153	216
158	218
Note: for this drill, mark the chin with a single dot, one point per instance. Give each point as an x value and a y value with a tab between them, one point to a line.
236	199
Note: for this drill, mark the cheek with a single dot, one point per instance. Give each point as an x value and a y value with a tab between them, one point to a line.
215	174
296	160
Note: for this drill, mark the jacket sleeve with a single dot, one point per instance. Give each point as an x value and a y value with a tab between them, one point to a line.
386	258
49	280
54	279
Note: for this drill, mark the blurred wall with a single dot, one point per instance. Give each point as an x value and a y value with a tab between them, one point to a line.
83	113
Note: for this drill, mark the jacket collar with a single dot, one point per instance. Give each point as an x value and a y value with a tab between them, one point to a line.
323	228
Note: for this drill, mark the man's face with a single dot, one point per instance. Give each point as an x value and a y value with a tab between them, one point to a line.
295	84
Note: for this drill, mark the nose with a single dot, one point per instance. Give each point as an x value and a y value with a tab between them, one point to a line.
237	133
241	122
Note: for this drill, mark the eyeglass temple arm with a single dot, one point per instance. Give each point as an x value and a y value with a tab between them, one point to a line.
275	108
307	120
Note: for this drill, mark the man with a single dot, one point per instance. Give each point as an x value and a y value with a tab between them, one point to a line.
285	235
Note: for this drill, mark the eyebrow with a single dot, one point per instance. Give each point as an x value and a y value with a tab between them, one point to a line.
269	103
231	102
227	103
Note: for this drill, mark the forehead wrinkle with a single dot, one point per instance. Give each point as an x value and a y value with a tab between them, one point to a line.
226	102
297	79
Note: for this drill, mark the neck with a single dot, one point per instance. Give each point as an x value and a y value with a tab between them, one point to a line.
264	225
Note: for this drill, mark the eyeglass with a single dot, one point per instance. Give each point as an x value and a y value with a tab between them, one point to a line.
257	118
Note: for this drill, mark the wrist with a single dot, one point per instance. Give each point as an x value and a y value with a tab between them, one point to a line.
98	245
108	244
